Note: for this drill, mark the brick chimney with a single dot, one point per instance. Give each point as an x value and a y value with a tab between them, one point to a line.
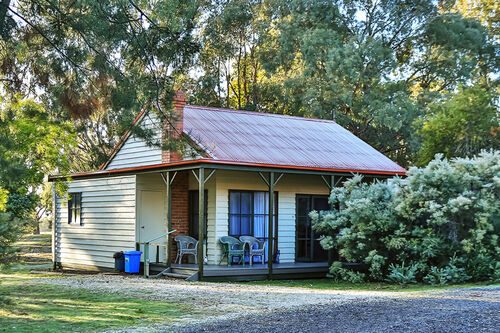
168	132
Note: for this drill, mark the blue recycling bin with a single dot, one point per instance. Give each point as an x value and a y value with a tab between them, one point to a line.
132	261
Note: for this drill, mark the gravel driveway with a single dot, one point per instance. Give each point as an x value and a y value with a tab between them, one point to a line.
472	310
221	307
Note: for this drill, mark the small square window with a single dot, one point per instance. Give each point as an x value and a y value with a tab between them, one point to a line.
75	208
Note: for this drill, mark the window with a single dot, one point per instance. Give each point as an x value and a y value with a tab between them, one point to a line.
75	208
249	215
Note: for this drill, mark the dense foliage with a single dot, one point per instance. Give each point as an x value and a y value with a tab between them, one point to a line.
461	125
440	224
412	78
32	144
96	63
10	228
373	66
383	69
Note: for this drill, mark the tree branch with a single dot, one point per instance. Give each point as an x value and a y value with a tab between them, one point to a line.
45	37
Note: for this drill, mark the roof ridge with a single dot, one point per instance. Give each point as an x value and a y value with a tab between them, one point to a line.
264	114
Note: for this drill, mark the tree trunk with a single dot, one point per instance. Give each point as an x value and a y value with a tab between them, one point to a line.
255	65
238	63
218	82
245	89
228	83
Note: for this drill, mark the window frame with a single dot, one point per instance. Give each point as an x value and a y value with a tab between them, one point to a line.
252	216
75	208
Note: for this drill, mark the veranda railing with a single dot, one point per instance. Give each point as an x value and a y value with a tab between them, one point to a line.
149	243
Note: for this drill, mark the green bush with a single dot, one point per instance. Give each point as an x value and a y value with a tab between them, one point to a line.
402	274
339	273
495	277
442	219
480	267
454	273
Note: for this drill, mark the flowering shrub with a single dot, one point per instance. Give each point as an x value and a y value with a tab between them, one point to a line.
443	219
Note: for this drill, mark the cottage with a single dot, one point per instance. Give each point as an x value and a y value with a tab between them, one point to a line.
245	173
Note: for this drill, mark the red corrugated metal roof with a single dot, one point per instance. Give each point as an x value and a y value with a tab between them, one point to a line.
263	138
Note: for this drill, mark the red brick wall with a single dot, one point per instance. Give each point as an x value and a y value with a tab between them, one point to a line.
179	102
180	209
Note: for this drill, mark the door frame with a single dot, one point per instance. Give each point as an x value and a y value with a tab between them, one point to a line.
139	211
310	198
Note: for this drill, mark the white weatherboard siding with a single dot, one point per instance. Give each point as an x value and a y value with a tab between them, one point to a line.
288	187
108	215
135	152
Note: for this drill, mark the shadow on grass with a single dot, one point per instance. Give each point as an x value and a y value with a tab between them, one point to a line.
29	307
26	307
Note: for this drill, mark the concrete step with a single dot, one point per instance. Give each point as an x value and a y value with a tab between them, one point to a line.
184	271
177	276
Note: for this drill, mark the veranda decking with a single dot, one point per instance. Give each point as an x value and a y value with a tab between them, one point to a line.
255	272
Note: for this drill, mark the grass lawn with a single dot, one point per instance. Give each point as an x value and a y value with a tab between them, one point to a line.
26	306
30	307
35	249
328	284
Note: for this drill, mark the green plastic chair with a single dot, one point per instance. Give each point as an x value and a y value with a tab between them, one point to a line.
254	250
232	247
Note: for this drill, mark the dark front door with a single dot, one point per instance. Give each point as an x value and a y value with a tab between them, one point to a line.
194	209
307	244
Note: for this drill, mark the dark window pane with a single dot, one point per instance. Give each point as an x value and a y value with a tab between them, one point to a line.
303	206
234	225
194	226
194	208
303	248
70	210
245	225
234	203
319	252
74	208
302	227
306	237
321	204
246	203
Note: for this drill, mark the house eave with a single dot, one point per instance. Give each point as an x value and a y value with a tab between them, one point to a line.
225	165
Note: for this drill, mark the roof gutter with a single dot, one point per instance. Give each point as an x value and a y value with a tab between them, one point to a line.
218	164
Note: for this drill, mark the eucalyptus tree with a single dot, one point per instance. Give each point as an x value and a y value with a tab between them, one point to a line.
228	57
485	11
373	66
460	125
